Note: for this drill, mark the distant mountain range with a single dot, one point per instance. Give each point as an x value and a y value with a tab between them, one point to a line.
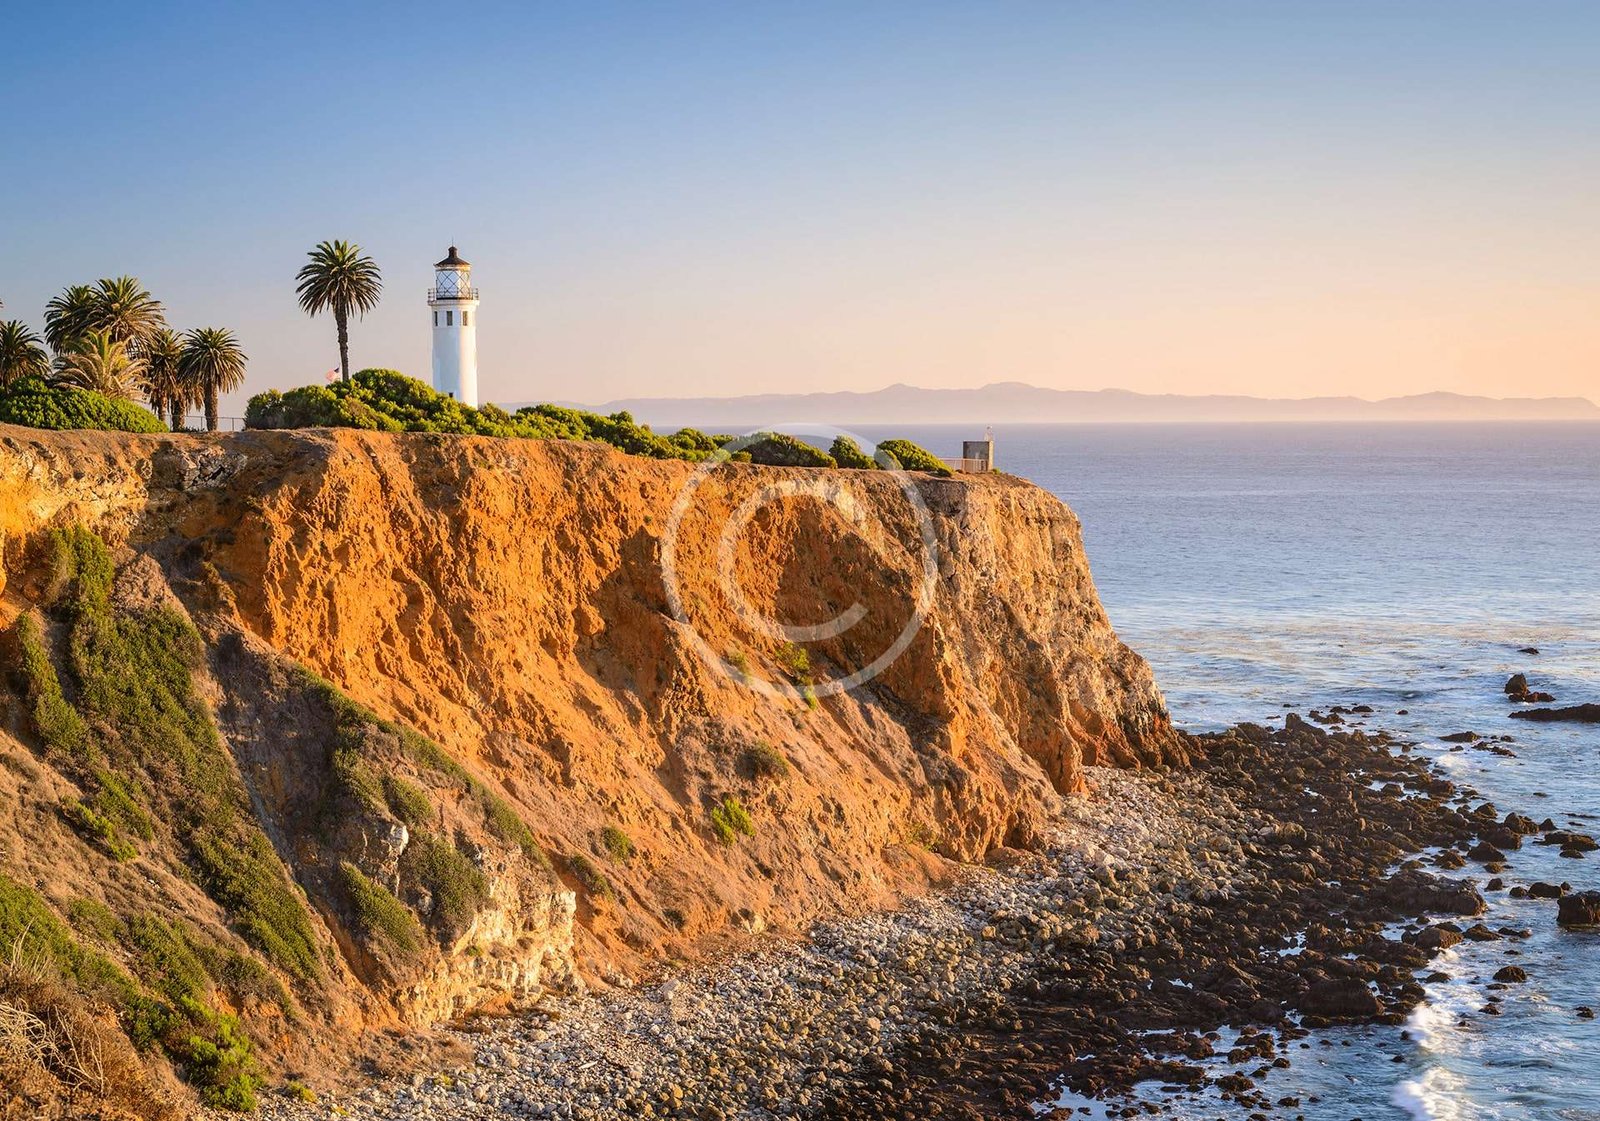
1018	403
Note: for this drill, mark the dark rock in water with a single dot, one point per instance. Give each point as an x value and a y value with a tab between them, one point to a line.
1529	650
1485	853
1543	890
1437	938
1502	838
1512	974
1517	689
1340	998
1577	842
1463	737
1480	933
1418	893
1520	824
1585	1012
1496	884
1581	909
1582	714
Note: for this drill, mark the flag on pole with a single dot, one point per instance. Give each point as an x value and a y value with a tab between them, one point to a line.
332	375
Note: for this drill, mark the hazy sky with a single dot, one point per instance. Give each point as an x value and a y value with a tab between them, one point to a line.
1282	198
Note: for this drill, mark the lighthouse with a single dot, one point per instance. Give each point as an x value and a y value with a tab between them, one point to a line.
454	303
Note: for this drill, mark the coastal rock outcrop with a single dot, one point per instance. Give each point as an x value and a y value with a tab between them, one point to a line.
1580	714
495	756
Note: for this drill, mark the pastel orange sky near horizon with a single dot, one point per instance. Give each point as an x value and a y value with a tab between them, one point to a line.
1223	196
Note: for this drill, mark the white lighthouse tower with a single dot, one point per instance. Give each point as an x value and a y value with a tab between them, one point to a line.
454	302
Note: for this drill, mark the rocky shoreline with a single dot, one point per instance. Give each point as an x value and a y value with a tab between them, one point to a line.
1276	885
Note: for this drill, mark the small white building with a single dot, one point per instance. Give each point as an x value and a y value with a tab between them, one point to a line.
454	303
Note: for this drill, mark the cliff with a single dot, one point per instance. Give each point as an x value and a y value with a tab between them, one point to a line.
484	745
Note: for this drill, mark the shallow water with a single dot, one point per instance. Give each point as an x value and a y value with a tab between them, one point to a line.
1400	566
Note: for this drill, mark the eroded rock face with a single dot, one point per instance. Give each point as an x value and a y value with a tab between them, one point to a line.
507	598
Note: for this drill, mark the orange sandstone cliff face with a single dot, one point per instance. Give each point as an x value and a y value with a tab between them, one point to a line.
507	600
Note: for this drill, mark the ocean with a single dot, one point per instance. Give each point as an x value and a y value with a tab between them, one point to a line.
1405	567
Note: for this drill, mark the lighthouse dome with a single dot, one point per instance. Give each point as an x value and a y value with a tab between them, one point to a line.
453	261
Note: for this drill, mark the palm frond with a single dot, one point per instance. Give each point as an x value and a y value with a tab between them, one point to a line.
22	353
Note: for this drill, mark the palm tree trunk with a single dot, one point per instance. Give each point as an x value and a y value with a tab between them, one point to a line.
342	318
177	413
211	409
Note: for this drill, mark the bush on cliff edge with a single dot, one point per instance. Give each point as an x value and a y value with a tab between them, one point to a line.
33	404
389	401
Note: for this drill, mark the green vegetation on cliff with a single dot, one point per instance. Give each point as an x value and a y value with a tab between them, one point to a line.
112	697
34	404
389	401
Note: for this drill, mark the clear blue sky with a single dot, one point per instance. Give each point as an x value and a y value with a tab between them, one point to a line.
1278	197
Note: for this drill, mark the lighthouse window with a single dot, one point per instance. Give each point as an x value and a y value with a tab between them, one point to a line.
464	314
436	319
449	319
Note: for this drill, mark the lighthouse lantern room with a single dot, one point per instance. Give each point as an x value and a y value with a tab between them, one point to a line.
454	303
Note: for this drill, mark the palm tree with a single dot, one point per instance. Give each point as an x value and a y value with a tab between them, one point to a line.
211	364
21	354
339	279
69	316
127	310
101	363
163	381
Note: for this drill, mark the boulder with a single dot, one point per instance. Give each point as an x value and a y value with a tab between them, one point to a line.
1580	909
1581	714
1340	998
1511	974
1517	686
1485	853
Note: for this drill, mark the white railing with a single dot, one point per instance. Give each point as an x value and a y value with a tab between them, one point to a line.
965	466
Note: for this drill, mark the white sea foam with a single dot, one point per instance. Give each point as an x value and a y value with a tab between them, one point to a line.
1430	1098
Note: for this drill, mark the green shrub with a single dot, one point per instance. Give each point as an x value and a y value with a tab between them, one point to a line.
248	881
379	916
808	695
98	827
122	801
90	916
164	958
847	453
730	820
408	801
299	1091
617	843
352	778
457	888
912	457
740	663
777	449
388	401
219	1062
593	880
28	926
795	661
694	440
764	761
32	403
56	722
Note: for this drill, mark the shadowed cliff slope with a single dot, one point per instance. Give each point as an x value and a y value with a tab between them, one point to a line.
480	742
